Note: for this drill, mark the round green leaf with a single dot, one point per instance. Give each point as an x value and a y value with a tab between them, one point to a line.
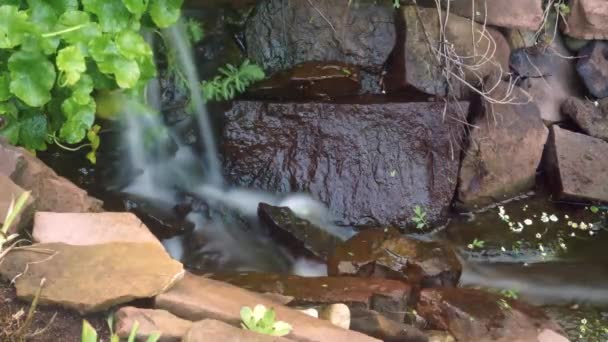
32	77
14	26
9	124
71	61
112	15
79	117
32	131
85	34
5	92
132	45
165	13
137	7
126	72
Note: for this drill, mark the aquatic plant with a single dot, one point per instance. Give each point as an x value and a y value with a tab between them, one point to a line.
232	81
263	320
419	217
55	56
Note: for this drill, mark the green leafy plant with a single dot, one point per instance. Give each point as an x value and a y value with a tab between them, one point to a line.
419	217
510	294
89	334
592	330
263	321
232	81
476	244
397	3
56	55
14	210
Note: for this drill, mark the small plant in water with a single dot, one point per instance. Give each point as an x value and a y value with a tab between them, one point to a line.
511	294
419	217
89	334
232	81
476	244
263	321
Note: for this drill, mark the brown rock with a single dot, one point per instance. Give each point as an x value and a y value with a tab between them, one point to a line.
482	51
548	335
495	166
591	117
369	163
387	296
577	165
373	253
10	192
374	324
477	316
171	327
52	193
519	14
212	330
91	278
588	19
198	298
90	228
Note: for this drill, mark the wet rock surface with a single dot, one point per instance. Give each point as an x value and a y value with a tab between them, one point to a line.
374	324
282	34
591	117
495	166
376	254
592	67
389	297
213	330
577	165
520	14
481	54
83	229
197	298
588	19
306	235
171	327
475	316
8	195
50	191
369	163
91	278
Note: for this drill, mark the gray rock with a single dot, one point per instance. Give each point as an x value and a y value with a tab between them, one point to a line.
518	14
495	166
592	67
281	34
577	165
91	278
369	163
592	117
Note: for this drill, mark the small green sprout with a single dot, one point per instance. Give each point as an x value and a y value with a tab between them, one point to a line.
476	244
263	321
419	217
14	210
90	335
510	294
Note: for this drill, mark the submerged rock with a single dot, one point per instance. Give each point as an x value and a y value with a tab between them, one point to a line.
283	34
478	316
588	19
373	323
369	163
373	253
592	117
197	298
495	166
170	327
389	297
90	278
482	51
84	229
577	165
306	235
592	67
519	14
51	192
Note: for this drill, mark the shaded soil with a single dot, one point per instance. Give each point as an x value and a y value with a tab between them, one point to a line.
66	327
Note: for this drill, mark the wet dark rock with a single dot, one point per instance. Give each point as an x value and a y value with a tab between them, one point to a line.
577	165
374	324
520	14
376	254
546	75
588	19
369	163
421	68
495	167
297	231
592	67
309	80
282	34
388	297
164	221
475	316
592	117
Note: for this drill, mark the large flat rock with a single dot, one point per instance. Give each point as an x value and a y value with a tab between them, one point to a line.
171	327
90	228
577	165
197	298
369	163
91	278
212	330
